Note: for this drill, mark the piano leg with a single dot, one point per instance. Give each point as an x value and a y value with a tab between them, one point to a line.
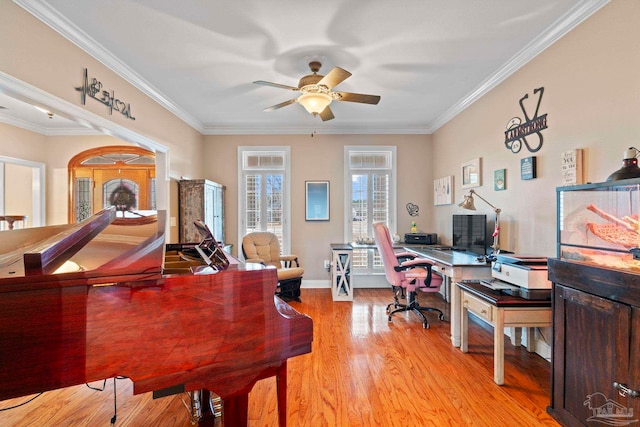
234	411
281	387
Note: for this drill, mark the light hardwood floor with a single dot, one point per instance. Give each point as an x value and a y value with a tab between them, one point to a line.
363	371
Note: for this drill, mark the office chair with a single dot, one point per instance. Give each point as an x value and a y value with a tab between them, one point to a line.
411	274
263	247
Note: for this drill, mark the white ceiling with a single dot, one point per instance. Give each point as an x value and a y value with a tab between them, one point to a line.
427	59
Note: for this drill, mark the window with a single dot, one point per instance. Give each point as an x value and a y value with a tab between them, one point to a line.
264	192
370	189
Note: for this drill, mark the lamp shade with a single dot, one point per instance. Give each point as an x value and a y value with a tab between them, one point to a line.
629	167
314	102
468	203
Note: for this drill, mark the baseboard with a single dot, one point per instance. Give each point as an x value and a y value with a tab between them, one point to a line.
316	284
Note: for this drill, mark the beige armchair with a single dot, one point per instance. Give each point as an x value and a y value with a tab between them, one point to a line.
263	247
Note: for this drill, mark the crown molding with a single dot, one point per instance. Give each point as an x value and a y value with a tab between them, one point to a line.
553	33
43	11
298	130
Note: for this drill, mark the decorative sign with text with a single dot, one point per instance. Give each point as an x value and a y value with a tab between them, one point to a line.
517	131
528	168
572	167
94	90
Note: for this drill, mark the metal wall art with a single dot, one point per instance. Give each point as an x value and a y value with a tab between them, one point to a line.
517	131
94	90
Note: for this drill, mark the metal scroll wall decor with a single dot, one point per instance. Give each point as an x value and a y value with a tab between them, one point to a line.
412	209
94	90
517	131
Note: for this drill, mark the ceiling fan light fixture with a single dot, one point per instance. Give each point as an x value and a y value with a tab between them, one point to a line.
315	102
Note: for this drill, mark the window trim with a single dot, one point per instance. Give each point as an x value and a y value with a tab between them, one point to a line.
393	206
286	202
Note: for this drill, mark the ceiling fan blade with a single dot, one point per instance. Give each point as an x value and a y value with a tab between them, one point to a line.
358	97
327	114
278	85
334	77
282	104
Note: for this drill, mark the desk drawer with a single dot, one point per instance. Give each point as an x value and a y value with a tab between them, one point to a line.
442	269
477	306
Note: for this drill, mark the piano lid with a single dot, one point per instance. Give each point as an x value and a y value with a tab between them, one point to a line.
89	249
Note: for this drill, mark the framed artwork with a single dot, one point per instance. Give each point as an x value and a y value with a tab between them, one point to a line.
443	191
572	167
472	173
499	179
316	200
528	168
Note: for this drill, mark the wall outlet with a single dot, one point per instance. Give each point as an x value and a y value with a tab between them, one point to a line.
172	221
327	264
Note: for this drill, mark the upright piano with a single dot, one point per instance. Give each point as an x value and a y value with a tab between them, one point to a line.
90	301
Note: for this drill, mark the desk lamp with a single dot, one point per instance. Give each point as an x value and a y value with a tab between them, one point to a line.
469	204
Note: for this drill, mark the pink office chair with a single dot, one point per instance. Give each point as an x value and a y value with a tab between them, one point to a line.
411	274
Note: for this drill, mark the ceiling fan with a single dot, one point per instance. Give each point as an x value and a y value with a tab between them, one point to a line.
316	93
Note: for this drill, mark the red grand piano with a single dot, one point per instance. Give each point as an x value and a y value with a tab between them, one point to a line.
89	301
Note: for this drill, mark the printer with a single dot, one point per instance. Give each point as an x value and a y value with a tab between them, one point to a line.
520	275
421	238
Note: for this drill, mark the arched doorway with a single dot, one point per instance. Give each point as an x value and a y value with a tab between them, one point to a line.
120	176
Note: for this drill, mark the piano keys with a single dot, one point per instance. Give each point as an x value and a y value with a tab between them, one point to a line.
89	301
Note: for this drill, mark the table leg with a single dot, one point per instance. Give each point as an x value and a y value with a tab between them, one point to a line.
515	334
530	342
456	301
464	330
498	348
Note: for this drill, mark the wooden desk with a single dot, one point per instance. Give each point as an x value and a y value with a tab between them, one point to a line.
11	219
503	309
454	266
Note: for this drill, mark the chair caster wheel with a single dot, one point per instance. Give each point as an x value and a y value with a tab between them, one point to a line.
425	326
441	316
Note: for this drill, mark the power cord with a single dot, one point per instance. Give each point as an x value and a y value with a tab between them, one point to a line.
115	402
22	404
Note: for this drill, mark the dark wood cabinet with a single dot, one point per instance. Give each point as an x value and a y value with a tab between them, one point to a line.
596	345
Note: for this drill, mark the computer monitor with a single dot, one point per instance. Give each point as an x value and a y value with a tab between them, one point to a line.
470	233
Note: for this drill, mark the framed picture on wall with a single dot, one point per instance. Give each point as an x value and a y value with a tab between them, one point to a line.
472	173
443	191
499	179
316	200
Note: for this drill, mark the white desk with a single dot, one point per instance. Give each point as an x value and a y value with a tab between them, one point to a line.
502	310
454	266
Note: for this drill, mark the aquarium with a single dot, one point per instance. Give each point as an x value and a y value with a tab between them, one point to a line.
598	224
